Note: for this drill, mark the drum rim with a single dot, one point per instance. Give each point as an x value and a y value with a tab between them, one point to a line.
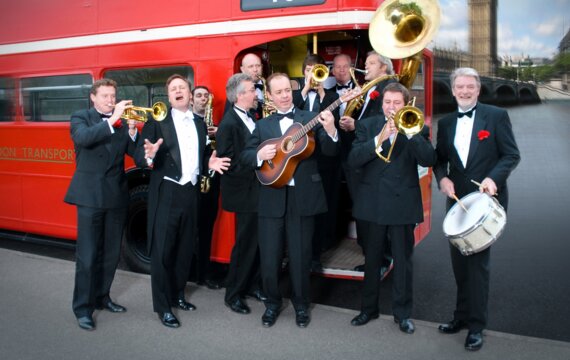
472	227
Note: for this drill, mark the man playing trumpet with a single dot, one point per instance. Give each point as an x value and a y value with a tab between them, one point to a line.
99	190
388	203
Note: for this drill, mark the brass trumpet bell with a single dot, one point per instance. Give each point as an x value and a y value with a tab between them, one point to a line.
401	28
137	113
319	73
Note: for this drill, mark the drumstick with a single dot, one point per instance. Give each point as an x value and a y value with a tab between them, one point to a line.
460	203
481	185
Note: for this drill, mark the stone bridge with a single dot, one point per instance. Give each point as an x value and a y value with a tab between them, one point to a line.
494	91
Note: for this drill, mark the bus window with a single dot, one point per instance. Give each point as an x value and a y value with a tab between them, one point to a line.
147	85
54	98
6	99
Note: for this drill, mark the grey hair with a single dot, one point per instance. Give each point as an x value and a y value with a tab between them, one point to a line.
464	71
384	60
235	86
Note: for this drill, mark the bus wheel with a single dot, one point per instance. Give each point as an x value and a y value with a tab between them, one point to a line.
135	251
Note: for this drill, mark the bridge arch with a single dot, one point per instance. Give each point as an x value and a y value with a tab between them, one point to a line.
506	95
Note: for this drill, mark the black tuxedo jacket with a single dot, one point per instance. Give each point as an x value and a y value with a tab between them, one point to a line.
494	157
389	193
239	185
374	107
308	183
329	98
99	180
168	161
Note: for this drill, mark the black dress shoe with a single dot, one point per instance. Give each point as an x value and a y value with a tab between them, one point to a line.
269	317
302	318
474	341
212	284
406	325
362	319
238	306
359	268
452	327
169	320
86	323
258	295
112	307
185	305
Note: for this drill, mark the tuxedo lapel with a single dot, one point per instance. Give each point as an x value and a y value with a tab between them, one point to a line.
201	133
454	155
170	139
479	123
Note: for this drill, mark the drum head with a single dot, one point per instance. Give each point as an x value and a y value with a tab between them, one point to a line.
459	222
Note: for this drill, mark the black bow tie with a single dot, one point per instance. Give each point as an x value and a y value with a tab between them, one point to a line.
246	113
340	87
467	113
104	116
258	86
290	115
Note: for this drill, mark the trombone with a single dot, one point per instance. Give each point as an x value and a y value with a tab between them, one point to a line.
409	120
137	113
319	73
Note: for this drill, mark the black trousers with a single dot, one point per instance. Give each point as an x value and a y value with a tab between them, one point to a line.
97	252
206	218
472	280
174	238
297	231
375	237
244	262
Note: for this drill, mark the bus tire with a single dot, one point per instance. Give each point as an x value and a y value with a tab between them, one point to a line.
135	250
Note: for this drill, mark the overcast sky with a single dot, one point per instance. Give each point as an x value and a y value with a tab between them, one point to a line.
525	27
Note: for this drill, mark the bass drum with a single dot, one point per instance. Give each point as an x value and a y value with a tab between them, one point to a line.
475	230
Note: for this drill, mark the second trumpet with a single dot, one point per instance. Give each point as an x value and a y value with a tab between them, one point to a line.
137	113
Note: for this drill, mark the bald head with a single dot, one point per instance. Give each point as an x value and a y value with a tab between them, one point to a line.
251	65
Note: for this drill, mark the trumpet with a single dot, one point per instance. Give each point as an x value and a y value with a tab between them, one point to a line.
319	73
137	113
409	120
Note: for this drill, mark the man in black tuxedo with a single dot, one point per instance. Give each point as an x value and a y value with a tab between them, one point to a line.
240	192
388	203
341	72
251	65
376	66
175	149
99	189
476	143
206	270
313	97
288	213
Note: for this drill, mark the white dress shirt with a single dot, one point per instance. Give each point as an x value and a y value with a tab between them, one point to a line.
188	143
462	139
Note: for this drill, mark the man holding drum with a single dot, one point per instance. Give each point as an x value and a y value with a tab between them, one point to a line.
474	145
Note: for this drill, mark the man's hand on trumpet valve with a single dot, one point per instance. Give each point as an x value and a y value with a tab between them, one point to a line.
218	164
120	107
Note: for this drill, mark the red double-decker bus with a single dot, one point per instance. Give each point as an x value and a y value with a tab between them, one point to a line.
52	51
